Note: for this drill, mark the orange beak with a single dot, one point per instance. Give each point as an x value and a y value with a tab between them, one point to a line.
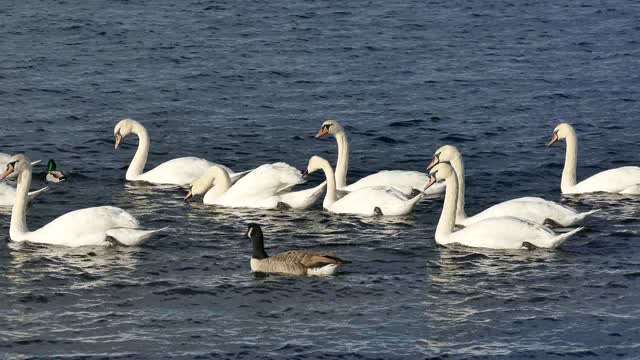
554	138
435	161
323	131
432	180
7	172
118	140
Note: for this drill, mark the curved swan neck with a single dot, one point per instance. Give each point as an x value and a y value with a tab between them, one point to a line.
222	182
330	197
342	165
458	165
570	163
19	213
136	168
448	217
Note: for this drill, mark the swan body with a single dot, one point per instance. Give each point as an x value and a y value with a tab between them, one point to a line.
294	262
534	209
103	225
494	233
407	182
181	171
623	180
367	201
266	187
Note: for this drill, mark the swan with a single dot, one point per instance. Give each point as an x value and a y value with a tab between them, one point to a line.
266	187
409	183
295	262
493	233
534	209
54	175
181	171
92	226
368	201
623	180
8	194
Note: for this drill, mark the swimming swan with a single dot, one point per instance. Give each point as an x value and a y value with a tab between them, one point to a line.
410	183
368	201
534	209
492	233
266	187
103	225
623	180
181	171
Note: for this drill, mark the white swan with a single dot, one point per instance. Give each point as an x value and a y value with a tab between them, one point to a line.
92	226
534	209
266	187
8	194
492	233
368	201
623	180
407	182
181	171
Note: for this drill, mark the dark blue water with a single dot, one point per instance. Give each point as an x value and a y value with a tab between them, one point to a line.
245	83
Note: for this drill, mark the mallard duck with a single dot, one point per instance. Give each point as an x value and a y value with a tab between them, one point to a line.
54	175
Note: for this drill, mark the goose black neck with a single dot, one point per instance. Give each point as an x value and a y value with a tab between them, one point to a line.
258	246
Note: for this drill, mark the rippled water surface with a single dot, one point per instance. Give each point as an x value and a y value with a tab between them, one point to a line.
245	83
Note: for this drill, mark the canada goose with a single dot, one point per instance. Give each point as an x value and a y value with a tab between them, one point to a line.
296	262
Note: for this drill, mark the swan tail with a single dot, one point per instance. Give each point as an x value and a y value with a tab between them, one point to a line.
36	162
304	198
558	240
33	194
132	237
239	175
581	216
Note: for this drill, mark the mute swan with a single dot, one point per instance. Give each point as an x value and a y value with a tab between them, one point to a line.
92	226
266	187
294	262
623	180
181	171
368	201
410	183
534	209
8	194
54	175
493	233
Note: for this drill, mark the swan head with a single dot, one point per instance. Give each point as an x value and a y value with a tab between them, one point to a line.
561	132
17	164
445	153
315	163
441	171
123	128
329	127
201	185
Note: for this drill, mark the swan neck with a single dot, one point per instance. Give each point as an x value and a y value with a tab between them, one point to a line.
330	197
342	166
219	180
136	168
18	225
458	166
570	163
448	217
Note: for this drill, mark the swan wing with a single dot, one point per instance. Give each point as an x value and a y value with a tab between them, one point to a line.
613	180
505	233
303	199
181	171
404	181
536	210
265	181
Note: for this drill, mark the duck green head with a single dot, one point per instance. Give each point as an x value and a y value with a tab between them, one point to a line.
51	165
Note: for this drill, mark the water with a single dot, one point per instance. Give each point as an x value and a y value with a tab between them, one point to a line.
248	83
